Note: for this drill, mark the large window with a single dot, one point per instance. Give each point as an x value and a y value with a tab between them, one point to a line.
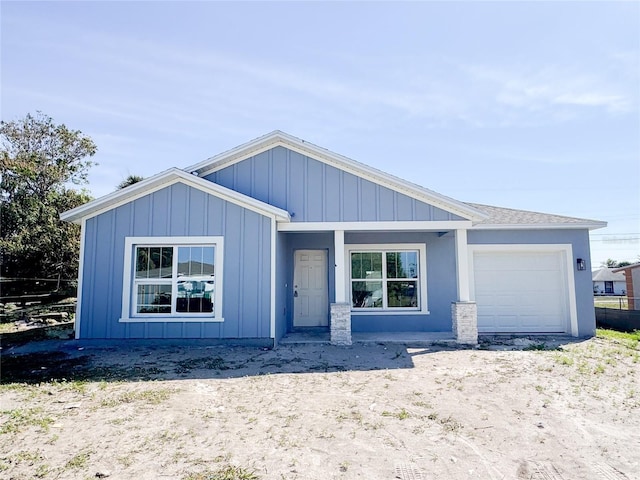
389	278
181	279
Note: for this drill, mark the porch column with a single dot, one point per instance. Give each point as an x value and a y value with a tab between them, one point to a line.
462	266
464	312
340	310
340	268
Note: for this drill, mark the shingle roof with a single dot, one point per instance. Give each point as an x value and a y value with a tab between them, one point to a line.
509	216
607	275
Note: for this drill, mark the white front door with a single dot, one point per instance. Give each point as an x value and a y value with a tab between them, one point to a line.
310	289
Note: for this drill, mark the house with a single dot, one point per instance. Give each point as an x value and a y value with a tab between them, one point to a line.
632	284
280	235
606	281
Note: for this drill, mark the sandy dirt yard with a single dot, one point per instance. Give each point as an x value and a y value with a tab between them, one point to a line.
379	411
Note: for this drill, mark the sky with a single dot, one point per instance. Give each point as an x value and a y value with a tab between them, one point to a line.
532	106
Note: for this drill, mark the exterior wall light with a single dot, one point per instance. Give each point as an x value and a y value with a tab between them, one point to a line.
581	264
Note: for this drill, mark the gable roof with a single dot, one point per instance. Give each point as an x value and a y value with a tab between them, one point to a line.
165	179
606	274
498	217
279	138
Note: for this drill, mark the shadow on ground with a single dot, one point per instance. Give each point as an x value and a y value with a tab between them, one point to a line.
165	362
50	360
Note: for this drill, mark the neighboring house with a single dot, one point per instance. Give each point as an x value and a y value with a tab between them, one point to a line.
607	281
632	284
278	235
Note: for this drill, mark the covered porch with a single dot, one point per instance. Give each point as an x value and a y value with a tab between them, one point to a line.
440	310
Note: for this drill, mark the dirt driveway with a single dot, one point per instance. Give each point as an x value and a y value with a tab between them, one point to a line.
377	411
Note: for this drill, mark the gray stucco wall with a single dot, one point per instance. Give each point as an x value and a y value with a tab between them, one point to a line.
578	239
315	192
178	210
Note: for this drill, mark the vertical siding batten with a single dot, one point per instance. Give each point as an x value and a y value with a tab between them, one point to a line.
291	182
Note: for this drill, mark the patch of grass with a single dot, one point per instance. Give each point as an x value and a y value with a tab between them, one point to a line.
352	415
78	461
449	424
227	472
20	418
564	360
628	339
152	397
42	471
402	414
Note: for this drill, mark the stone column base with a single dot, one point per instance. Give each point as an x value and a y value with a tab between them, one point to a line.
464	316
340	324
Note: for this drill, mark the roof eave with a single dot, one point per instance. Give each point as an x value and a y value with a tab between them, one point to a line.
160	180
540	226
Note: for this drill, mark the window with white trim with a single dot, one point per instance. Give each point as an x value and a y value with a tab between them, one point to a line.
386	279
181	279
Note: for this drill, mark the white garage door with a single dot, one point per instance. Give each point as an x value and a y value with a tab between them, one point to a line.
521	291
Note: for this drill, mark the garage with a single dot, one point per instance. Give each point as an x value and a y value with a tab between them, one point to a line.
523	289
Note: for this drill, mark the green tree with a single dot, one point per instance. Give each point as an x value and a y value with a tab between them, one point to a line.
39	160
611	263
130	180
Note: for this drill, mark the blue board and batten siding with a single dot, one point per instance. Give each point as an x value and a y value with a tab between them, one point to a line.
312	191
178	210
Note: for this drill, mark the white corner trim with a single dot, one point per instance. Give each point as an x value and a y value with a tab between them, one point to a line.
435	226
422	279
83	240
567	252
127	280
272	303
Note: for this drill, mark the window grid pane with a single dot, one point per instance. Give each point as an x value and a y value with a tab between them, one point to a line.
366	294
193	282
154	298
398	280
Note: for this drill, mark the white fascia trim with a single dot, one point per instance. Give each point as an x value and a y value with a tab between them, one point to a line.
127	280
278	138
422	249
83	241
163	180
565	248
436	226
541	226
